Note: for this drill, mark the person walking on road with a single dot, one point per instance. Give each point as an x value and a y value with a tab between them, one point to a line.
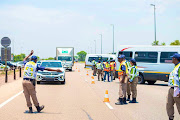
123	78
30	71
106	71
112	70
133	81
94	67
174	91
100	70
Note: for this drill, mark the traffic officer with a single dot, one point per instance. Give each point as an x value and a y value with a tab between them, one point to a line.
128	85
123	78
133	80
94	67
112	69
174	91
100	70
106	70
104	62
30	71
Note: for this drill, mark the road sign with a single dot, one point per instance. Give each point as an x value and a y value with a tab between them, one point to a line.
5	41
3	54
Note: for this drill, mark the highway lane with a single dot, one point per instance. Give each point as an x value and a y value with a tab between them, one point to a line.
78	99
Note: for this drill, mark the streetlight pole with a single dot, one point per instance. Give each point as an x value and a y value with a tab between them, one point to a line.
154	21
113	37
101	42
95	46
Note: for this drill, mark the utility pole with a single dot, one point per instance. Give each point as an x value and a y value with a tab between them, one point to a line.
113	37
95	46
154	22
101	42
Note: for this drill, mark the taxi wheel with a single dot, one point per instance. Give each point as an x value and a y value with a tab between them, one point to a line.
141	79
38	82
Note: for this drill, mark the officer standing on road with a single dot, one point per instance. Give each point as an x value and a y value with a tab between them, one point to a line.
100	70
133	80
30	71
94	67
112	70
123	78
174	91
106	71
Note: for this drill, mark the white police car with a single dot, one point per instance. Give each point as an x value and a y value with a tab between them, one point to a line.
51	76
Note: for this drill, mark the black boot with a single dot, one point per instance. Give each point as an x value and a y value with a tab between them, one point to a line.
39	108
124	101
120	102
129	97
171	119
30	110
133	100
102	79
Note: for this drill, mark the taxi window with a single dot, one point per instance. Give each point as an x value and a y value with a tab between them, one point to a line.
148	57
128	54
91	59
166	57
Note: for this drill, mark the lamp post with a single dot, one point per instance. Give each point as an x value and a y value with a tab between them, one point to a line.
113	37
95	46
101	42
154	21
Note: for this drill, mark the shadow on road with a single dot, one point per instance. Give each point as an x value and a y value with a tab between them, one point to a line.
50	83
26	112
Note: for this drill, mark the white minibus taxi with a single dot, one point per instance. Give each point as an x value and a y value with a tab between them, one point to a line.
103	57
154	62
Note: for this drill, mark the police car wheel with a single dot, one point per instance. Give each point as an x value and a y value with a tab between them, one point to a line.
151	82
141	79
38	82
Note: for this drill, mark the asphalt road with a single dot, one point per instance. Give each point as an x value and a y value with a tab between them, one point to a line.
78	99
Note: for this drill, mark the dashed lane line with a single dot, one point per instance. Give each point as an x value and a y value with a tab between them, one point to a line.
10	99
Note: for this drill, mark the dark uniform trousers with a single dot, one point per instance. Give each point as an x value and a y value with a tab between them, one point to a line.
94	69
170	103
100	73
29	91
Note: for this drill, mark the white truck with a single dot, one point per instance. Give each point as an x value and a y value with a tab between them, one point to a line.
66	55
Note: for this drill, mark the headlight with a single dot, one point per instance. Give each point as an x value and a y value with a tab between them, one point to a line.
61	77
38	77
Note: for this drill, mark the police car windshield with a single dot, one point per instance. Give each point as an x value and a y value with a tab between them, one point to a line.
51	64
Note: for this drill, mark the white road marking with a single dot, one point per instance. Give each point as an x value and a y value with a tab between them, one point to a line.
4	103
110	107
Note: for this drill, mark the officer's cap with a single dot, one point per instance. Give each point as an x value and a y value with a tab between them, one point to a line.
176	55
34	57
133	60
122	56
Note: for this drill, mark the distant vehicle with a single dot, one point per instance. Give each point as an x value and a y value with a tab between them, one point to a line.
103	57
39	62
9	64
66	55
154	62
51	76
20	63
3	66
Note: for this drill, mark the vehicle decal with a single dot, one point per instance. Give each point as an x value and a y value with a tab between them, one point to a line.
126	48
156	72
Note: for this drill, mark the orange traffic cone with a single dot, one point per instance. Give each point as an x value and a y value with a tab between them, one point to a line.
76	68
106	97
93	82
87	73
79	70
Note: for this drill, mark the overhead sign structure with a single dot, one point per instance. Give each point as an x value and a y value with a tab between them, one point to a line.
5	41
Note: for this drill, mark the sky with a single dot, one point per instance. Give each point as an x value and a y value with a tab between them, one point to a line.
43	25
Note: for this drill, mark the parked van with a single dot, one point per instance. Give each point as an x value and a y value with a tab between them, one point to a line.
102	57
154	62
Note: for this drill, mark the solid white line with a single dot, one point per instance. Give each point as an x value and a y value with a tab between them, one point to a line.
4	103
110	107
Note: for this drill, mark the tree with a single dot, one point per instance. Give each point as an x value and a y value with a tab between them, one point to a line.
163	43
50	58
155	43
81	55
19	57
176	42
